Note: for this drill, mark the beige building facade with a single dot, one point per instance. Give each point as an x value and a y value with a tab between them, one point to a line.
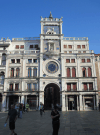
50	69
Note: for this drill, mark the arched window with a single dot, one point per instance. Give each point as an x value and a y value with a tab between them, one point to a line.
68	72
29	72
3	59
34	71
17	72
89	72
12	72
84	72
73	72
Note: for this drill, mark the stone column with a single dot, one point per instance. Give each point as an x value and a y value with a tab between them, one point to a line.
71	71
80	99
32	72
97	101
67	102
77	103
19	99
3	103
7	102
22	99
63	102
87	71
83	102
14	72
24	68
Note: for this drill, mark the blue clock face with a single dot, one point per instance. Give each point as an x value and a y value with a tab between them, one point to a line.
52	67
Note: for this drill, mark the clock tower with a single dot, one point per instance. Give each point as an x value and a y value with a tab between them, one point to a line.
51	40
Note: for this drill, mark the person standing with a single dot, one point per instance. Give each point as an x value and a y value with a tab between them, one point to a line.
27	106
55	120
41	109
12	115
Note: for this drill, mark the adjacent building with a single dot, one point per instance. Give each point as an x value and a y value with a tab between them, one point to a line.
50	69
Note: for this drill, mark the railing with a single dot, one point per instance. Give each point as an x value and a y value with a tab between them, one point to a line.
72	90
78	51
75	38
25	38
51	19
13	90
24	52
30	90
88	90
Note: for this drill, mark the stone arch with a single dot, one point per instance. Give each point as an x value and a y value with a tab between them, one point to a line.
51	95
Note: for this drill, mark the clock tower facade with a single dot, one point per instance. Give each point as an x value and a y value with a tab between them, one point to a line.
51	39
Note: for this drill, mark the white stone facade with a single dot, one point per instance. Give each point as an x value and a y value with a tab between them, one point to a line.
35	53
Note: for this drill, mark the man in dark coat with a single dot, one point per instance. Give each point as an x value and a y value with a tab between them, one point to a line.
12	115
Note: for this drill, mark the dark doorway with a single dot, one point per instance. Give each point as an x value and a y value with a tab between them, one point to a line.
31	100
72	102
51	96
13	100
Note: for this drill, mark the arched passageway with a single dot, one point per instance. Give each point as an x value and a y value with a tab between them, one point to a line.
51	95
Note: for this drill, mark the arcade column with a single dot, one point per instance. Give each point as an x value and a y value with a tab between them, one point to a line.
67	102
80	99
22	99
63	102
3	103
7	102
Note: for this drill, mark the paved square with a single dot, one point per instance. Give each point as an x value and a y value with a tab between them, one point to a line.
71	123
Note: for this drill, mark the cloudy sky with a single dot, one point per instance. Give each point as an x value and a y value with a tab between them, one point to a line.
81	18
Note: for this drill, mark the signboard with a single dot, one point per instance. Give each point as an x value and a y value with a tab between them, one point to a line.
88	101
71	99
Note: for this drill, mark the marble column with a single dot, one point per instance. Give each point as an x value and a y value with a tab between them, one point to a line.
22	99
83	104
3	103
63	102
77	103
97	101
7	102
80	99
67	102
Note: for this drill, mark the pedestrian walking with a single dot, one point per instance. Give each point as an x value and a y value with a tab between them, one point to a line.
20	109
12	115
55	120
41	109
27	106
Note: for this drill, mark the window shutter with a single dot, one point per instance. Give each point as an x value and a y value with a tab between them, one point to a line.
17	46
22	47
74	86
88	60
69	46
83	60
31	46
68	86
73	72
68	72
83	46
78	46
85	86
90	86
89	72
72	60
65	46
67	60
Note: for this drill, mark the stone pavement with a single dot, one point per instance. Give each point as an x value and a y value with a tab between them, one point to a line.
71	123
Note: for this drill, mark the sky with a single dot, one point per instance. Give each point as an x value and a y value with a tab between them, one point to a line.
81	18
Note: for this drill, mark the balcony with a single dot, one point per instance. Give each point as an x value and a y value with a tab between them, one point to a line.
30	90
76	38
87	90
72	90
25	52
13	91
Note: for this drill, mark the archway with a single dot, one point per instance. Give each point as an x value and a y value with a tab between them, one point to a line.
51	95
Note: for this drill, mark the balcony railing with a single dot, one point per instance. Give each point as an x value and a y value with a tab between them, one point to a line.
72	90
30	90
78	51
75	38
88	90
25	38
13	90
24	52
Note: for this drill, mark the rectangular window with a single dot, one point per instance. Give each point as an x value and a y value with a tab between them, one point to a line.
29	60
65	51
31	46
35	60
90	86
69	46
70	51
68	86
74	86
67	60
12	60
34	86
22	47
11	87
72	60
36	46
65	46
88	60
79	51
29	86
78	46
83	60
16	87
18	60
83	46
17	46
85	86
84	51
51	46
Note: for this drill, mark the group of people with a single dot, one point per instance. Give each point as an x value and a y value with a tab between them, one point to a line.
14	111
